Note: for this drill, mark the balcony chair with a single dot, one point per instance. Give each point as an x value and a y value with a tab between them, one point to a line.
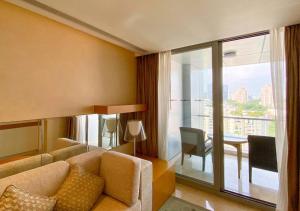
193	143
262	154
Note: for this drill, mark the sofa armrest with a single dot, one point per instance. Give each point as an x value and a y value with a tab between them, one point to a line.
67	152
146	185
64	142
15	167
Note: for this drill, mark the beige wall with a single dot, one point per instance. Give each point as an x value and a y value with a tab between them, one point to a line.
48	69
56	128
19	140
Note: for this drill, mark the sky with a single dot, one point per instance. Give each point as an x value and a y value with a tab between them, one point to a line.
252	77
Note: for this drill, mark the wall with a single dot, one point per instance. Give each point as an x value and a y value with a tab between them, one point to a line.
19	140
56	128
48	69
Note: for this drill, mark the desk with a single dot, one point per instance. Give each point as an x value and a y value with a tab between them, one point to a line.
236	142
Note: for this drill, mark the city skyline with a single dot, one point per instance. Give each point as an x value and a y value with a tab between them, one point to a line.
252	77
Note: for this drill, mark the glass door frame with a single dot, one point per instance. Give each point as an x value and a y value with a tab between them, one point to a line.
217	113
263	203
218	187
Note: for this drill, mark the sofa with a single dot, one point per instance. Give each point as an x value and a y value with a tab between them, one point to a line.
47	179
63	149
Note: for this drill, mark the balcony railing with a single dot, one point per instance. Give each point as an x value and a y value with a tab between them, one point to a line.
237	126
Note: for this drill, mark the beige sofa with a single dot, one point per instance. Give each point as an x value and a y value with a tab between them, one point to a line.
14	167
63	149
132	192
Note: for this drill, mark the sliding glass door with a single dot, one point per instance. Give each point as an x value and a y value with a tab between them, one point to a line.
221	122
190	132
250	165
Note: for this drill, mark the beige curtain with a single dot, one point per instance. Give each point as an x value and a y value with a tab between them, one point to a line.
147	83
292	46
71	127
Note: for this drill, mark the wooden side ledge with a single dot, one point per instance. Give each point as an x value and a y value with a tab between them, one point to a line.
119	109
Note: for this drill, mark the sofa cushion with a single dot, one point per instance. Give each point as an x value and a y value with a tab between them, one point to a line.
122	176
15	199
90	161
43	180
64	142
17	166
65	153
80	190
107	203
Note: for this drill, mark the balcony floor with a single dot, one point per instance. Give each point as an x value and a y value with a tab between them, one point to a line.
264	184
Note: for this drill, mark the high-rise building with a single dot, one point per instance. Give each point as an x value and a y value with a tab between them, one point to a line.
240	95
266	96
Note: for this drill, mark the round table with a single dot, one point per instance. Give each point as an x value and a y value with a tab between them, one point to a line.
237	143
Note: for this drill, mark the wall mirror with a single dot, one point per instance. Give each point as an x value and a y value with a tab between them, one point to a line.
93	130
19	140
31	144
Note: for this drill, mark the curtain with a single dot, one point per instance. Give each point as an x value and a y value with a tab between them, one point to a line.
147	79
278	73
81	126
292	54
71	127
164	91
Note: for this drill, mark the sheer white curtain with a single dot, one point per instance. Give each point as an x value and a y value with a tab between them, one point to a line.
279	92
164	92
81	128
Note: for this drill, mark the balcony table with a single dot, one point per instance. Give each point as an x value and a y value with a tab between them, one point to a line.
237	143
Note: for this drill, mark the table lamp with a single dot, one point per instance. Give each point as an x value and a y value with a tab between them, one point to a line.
134	132
113	127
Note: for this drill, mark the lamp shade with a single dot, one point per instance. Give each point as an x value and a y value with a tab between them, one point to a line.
134	131
110	125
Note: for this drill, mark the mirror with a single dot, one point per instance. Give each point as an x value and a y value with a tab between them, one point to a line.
93	130
19	140
31	144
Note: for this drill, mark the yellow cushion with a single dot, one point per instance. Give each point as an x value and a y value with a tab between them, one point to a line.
45	180
15	199
80	190
122	176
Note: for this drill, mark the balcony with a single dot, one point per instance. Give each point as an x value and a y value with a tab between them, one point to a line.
264	184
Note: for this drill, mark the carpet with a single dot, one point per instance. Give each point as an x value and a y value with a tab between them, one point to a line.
176	204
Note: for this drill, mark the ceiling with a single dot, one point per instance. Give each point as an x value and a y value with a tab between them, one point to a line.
247	51
155	25
252	50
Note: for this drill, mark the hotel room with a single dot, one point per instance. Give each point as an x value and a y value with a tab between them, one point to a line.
149	105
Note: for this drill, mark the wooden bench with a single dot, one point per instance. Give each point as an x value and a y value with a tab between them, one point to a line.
163	184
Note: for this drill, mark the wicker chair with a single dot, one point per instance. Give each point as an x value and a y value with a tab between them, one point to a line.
193	143
262	154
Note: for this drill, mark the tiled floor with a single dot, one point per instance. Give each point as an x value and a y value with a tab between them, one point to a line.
264	184
208	200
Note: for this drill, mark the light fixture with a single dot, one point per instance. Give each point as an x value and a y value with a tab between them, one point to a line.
134	132
229	54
